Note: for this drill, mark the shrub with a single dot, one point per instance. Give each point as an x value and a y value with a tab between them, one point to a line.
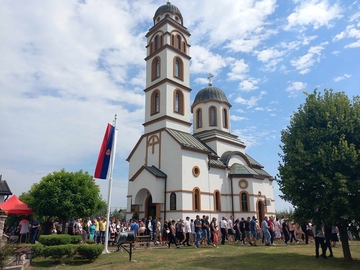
55	239
59	251
37	249
90	241
90	252
76	239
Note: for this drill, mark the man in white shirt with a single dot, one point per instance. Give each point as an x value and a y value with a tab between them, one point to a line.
23	229
187	231
223	228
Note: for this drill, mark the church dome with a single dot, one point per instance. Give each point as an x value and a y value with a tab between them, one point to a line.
210	93
168	7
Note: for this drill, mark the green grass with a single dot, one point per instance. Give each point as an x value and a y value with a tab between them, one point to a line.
234	256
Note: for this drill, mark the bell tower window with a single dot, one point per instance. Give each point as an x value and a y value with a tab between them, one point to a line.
212	115
178	68
156	43
155	68
155	102
178	101
178	38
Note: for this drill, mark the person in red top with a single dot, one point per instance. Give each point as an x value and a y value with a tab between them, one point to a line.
271	229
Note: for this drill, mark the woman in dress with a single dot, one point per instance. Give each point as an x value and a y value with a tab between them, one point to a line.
92	230
277	229
214	232
171	235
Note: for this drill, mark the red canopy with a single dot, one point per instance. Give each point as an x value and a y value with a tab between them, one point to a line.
16	207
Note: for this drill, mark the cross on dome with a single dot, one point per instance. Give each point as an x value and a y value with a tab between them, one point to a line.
210	78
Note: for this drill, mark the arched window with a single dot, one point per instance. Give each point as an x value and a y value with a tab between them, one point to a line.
196	199
178	38
178	101
244	202
225	119
217	201
184	47
172	40
155	102
178	68
212	116
198	118
155	68
172	201
156	42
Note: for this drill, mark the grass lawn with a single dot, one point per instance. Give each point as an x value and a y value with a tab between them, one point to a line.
234	256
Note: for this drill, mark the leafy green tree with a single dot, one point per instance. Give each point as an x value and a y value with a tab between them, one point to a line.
320	164
65	195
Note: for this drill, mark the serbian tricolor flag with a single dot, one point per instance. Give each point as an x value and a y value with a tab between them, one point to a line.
102	165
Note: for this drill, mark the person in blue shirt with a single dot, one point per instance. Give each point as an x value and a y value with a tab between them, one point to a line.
265	228
35	225
253	232
134	226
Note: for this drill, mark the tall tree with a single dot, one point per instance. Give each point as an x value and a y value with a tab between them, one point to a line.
320	161
65	195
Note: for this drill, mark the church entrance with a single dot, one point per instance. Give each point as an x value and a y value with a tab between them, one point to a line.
261	212
150	207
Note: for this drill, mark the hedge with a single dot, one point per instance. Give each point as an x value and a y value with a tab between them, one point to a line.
37	249
90	252
59	239
59	251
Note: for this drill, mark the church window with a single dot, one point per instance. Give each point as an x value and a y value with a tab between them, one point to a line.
178	68
217	201
244	202
178	101
172	40
155	68
155	102
196	171
184	47
212	116
198	118
178	38
225	119
156	43
196	199
172	201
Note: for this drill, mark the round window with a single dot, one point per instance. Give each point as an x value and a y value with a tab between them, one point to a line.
243	184
196	171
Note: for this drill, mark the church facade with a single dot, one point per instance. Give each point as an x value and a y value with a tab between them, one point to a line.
174	173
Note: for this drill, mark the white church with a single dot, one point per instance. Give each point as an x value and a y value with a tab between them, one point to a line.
174	173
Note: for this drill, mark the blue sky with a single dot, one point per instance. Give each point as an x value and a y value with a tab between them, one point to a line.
69	66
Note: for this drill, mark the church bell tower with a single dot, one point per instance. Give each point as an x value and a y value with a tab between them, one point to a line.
167	72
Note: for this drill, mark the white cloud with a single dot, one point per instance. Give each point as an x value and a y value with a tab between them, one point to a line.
204	61
239	70
249	84
350	32
252	101
305	62
314	12
340	78
237	118
295	87
268	54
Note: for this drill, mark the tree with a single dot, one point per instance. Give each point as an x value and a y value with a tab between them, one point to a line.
320	164
65	195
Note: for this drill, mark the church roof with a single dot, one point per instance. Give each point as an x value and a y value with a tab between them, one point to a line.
254	162
210	93
242	170
187	140
168	7
4	188
155	171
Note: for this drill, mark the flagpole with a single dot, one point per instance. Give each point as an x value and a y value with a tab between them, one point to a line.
112	162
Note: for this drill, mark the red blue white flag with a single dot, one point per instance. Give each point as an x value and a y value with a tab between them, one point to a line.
102	165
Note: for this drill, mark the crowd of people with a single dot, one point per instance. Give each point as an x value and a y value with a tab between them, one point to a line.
189	232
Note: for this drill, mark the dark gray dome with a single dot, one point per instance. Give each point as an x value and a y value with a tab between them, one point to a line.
168	7
210	93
